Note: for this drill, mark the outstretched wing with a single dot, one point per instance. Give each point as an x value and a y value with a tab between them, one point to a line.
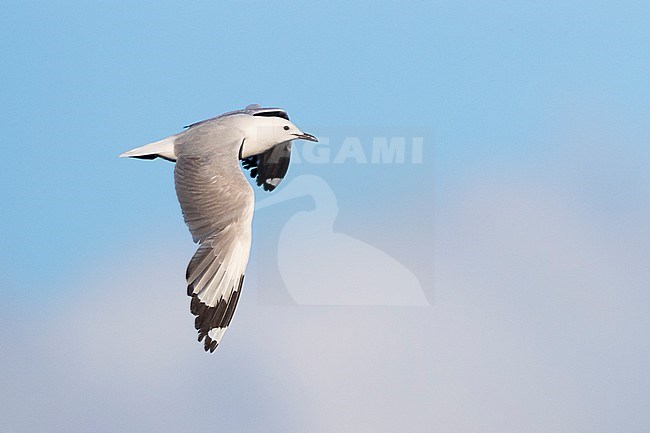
214	280
270	167
217	204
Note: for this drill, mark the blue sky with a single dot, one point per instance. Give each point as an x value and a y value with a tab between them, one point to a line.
526	223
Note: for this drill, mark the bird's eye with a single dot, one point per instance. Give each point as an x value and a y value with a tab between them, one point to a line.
286	128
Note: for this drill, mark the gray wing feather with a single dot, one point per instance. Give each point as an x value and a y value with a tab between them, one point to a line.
217	204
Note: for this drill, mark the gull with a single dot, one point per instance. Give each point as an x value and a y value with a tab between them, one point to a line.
217	201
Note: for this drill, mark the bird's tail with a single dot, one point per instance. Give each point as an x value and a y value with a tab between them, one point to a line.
158	149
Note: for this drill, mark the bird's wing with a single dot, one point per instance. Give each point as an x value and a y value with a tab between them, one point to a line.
217	204
270	167
251	110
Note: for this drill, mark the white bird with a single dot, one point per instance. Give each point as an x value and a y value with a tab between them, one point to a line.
217	201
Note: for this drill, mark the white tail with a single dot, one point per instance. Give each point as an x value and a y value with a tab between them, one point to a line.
163	149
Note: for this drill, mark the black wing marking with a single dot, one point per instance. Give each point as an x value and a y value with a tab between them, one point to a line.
252	110
273	112
212	321
270	167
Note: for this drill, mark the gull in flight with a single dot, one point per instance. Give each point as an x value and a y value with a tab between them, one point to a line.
217	201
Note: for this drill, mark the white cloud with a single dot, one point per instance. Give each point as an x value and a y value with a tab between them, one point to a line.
538	325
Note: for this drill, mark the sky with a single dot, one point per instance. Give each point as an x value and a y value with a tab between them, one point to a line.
494	280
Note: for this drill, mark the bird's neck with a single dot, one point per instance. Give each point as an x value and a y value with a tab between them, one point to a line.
259	135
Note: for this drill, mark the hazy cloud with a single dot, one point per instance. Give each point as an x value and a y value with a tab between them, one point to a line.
537	326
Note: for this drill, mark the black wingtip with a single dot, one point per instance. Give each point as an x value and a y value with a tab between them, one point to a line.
210	345
215	317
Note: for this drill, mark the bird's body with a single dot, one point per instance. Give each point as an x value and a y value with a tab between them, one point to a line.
217	201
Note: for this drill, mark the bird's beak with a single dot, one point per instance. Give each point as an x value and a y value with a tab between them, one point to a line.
305	136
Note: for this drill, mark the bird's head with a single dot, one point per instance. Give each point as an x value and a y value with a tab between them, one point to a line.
264	132
285	130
